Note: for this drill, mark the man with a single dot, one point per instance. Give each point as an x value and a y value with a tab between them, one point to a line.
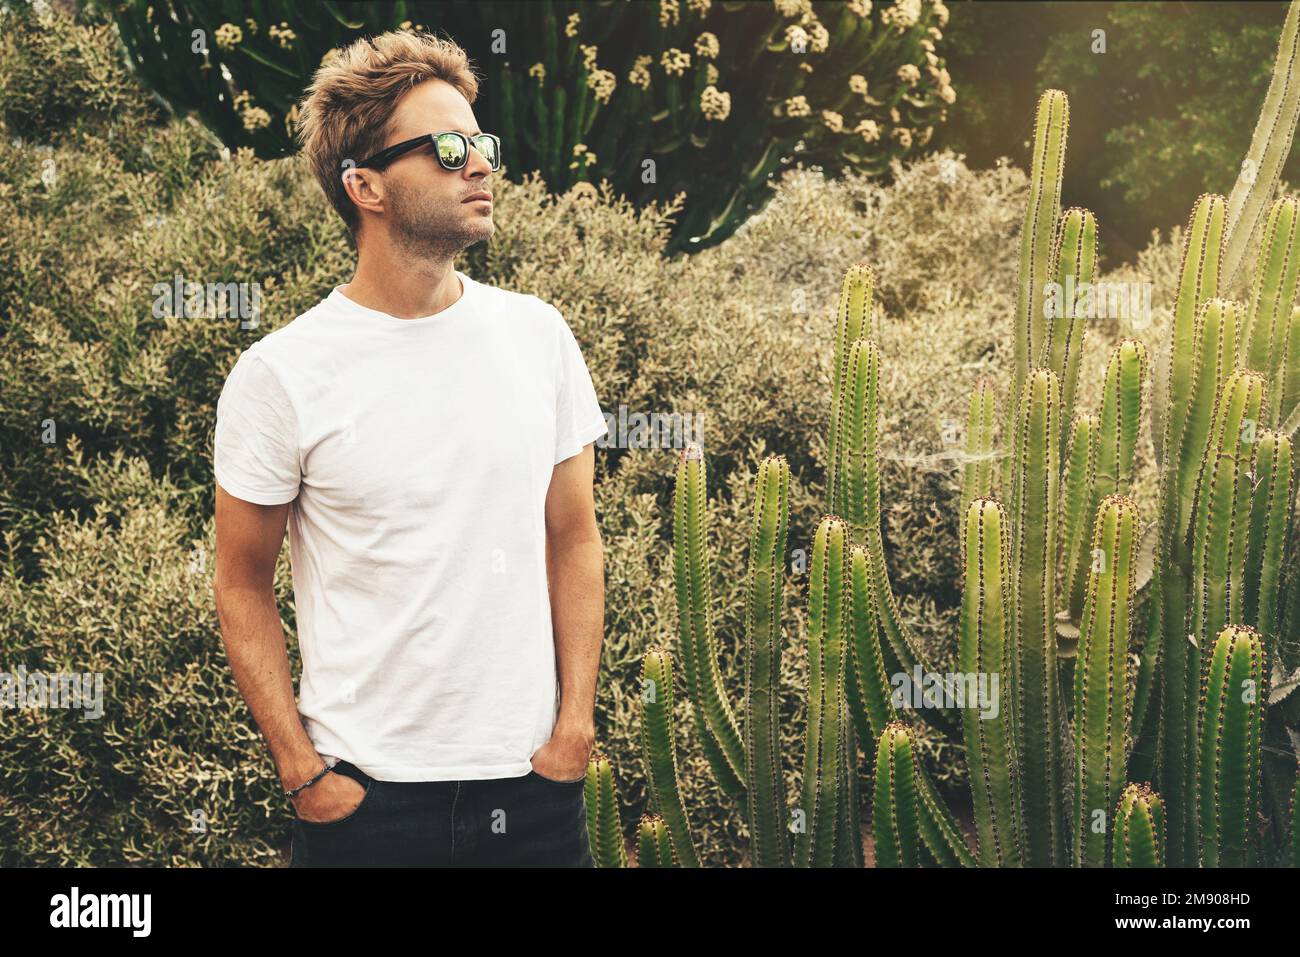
426	438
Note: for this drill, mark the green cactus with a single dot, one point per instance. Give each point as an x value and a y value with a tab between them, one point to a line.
1232	704
659	751
895	823
824	757
1037	234
1074	266
1038	708
719	731
1223	504
977	472
856	493
1139	828
1270	509
766	784
1101	678
1194	383
604	830
654	846
1269	147
1274	290
1079	479
984	650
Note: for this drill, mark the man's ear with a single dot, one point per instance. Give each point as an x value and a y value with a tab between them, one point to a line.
365	188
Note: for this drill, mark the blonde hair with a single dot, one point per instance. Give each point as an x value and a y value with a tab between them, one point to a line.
347	109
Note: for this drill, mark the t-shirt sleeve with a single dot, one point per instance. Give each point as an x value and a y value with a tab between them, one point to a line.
255	447
578	416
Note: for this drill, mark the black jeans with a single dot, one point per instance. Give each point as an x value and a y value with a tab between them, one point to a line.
502	822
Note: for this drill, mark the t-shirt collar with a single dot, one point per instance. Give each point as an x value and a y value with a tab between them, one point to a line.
342	304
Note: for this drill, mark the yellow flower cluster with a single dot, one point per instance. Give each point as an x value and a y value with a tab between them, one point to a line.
869	129
834	121
819	37
710	73
858	83
903	15
903	135
940	12
255	118
706	45
583	154
909	74
861	7
793	8
714	104
538	70
283	34
675	61
797	106
571	27
639	74
669	13
603	83
699	6
228	35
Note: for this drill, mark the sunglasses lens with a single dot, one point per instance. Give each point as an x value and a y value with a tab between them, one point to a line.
451	150
488	147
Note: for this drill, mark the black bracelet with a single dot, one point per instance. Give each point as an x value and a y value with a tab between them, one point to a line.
324	771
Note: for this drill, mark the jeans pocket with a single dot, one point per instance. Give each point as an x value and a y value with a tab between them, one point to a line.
365	800
559	784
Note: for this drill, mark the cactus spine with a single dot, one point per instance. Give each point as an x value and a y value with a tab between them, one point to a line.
1101	678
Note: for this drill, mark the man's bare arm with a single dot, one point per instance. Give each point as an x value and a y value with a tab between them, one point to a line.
575	569
248	544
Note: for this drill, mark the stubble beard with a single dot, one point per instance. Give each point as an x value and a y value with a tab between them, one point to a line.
428	229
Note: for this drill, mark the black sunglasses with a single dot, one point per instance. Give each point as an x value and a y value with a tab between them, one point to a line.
451	149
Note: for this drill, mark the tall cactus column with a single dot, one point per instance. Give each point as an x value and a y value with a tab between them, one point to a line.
1101	679
815	844
984	651
1232	713
1037	235
1038	709
767	810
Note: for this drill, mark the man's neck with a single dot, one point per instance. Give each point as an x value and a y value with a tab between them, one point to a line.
411	290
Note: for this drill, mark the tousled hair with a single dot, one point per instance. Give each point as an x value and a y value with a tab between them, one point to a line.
349	105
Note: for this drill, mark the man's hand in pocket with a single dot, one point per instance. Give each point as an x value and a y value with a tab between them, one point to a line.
332	798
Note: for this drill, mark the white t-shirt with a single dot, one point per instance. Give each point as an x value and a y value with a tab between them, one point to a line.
417	454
